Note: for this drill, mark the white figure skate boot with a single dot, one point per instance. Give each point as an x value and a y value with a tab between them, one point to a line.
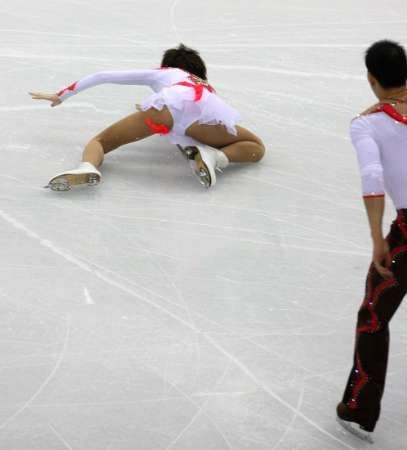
204	162
86	173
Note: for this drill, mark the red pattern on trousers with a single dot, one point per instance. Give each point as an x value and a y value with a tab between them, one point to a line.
374	316
372	327
363	379
370	302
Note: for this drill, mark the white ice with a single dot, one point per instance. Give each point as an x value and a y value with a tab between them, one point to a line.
148	313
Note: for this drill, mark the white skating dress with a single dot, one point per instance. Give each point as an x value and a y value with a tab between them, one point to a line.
188	98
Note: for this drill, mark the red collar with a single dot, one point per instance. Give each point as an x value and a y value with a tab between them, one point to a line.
388	109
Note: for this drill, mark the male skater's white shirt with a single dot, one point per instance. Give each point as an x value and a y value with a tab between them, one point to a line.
380	140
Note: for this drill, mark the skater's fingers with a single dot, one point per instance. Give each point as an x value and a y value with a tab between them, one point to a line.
42	96
37	96
56	101
384	272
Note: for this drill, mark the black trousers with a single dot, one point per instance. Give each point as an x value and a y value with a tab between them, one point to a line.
366	382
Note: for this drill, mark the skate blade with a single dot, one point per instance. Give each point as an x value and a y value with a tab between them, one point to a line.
65	182
202	172
354	429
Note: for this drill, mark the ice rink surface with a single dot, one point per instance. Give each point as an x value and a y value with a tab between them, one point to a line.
149	313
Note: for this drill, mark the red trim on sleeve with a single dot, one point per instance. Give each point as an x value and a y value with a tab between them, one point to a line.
374	196
69	88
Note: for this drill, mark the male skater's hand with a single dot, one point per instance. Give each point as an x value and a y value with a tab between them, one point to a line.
382	258
53	98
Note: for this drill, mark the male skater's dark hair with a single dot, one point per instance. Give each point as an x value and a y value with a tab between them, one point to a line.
186	59
387	62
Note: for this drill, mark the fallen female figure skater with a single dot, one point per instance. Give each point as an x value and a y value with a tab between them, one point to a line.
184	107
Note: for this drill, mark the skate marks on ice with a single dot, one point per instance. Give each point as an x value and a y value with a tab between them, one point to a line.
286	63
60	437
259	237
293	73
88	298
51	375
292	421
173	20
207	337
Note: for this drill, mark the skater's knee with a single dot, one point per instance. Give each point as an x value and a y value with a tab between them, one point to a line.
258	151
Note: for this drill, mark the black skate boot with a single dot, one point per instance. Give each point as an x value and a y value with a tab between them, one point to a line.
354	423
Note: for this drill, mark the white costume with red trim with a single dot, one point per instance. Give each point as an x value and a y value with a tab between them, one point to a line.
380	140
188	98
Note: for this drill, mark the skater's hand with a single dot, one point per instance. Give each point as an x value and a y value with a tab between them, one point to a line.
382	258
53	98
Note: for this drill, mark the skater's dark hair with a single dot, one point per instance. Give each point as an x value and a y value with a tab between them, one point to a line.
185	58
387	62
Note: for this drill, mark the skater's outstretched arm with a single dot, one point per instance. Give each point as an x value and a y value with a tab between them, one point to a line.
130	77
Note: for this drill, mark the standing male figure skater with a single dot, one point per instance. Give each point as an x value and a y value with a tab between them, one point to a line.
379	136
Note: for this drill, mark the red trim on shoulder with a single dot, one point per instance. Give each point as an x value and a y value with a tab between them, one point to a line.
374	196
392	112
198	85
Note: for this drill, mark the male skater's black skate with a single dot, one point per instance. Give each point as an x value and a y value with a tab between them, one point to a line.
349	420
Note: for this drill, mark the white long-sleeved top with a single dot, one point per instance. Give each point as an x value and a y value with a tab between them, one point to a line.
380	140
156	79
188	98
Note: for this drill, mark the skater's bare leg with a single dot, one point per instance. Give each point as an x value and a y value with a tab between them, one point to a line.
130	129
242	148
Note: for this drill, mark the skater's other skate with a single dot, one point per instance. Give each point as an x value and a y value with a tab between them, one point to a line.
86	173
350	422
204	162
